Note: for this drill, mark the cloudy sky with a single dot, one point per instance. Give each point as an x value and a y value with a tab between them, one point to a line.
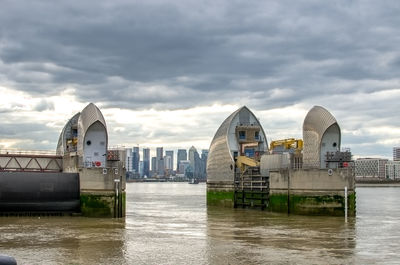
167	73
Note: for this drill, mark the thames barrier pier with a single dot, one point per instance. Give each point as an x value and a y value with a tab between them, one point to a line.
83	177
309	176
241	132
83	146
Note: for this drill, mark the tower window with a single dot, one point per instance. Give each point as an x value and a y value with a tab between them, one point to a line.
88	142
242	135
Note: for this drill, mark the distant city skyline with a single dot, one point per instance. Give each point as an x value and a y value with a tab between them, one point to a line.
164	161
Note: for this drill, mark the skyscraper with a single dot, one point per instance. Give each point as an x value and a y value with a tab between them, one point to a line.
204	153
128	161
153	165
146	162
192	158
184	168
204	156
160	161
182	155
135	159
195	162
141	169
169	164
160	152
396	153
160	167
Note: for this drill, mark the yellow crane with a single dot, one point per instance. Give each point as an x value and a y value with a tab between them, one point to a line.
289	143
243	161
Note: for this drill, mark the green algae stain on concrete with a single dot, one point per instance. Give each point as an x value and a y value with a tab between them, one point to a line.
220	198
278	203
317	205
312	205
94	205
123	203
351	200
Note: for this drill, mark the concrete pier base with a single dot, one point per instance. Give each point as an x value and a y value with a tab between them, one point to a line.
312	191
102	204
220	193
304	191
102	191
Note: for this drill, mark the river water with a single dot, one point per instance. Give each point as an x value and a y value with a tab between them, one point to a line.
169	223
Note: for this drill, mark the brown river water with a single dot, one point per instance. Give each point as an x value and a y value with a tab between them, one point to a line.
169	223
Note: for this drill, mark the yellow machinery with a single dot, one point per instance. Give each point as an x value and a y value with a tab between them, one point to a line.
73	141
290	143
243	161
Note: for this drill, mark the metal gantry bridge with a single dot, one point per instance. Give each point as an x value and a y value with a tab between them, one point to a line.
30	161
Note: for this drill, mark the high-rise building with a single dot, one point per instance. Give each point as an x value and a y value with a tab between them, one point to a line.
170	163
160	152
204	157
160	167
192	157
396	153
135	159
195	162
182	155
204	153
370	167
141	169
184	168
128	160
167	162
160	156
197	165
167	166
146	162
153	165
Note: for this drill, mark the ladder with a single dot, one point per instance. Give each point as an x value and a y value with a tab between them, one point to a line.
251	189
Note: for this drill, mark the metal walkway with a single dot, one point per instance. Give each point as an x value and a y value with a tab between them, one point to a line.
30	162
251	189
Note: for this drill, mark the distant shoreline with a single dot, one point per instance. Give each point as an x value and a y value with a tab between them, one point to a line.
360	185
376	182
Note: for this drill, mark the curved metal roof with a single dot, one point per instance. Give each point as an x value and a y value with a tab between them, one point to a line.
220	158
89	115
318	119
66	133
316	122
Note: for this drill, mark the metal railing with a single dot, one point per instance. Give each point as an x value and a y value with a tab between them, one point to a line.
26	152
301	166
247	124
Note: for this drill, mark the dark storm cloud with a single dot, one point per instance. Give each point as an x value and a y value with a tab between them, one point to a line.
19	129
181	54
215	44
31	135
